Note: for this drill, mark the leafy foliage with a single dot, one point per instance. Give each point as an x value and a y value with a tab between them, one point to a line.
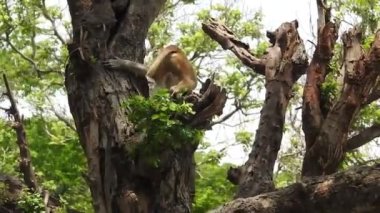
244	138
56	156
31	202
367	10
8	149
212	187
5	196
158	119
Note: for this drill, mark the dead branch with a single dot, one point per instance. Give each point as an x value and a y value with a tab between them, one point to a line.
26	167
225	37
206	105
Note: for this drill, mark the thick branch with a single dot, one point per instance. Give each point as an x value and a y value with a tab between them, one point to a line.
357	190
312	115
143	13
66	121
363	137
225	37
206	105
324	13
26	167
284	63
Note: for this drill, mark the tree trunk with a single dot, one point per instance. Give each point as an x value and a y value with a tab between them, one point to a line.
356	190
315	108
284	63
118	183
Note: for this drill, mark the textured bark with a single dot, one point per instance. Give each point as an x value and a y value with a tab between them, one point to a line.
95	96
361	72
312	116
314	111
284	63
120	182
354	191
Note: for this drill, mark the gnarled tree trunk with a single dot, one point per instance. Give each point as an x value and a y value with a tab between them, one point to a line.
120	182
284	63
103	29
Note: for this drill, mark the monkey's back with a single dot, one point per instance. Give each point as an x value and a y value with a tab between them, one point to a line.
170	67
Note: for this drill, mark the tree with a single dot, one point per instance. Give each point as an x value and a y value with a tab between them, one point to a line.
123	178
326	128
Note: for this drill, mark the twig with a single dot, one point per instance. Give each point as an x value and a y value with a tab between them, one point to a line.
28	59
48	17
226	117
61	117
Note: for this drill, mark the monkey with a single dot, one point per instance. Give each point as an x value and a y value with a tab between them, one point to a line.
171	70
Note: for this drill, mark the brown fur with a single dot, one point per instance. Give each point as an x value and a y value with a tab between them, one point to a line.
171	69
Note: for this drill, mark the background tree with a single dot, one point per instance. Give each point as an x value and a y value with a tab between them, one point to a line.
326	125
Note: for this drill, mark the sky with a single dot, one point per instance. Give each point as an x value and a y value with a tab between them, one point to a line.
277	11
